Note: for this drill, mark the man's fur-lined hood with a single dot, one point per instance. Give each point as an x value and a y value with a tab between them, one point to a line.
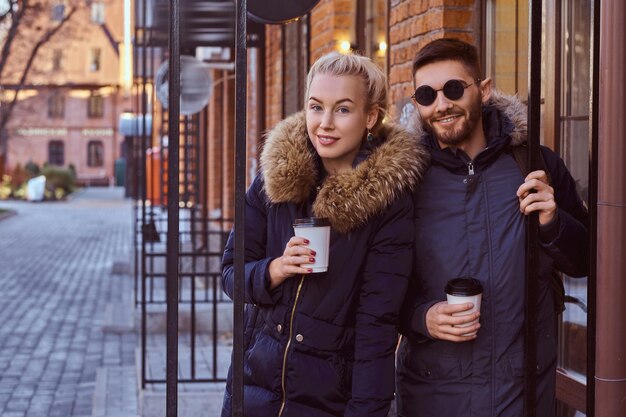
349	199
511	107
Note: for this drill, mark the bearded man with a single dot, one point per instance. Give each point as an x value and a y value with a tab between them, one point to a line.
469	213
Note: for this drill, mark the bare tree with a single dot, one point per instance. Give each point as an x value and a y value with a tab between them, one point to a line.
22	18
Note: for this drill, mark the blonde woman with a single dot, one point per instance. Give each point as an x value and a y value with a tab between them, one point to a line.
323	344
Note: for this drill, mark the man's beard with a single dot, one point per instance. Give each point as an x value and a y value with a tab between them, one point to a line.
455	137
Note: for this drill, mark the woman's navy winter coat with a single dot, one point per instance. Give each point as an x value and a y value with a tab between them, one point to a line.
323	344
470	225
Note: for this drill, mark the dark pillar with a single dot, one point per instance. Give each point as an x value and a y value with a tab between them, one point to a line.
610	376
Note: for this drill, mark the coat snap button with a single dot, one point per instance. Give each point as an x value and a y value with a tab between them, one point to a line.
299	337
279	328
427	373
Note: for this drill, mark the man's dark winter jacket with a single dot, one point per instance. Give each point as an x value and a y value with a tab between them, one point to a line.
323	345
471	225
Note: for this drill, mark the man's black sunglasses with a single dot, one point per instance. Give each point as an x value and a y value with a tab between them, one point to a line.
452	89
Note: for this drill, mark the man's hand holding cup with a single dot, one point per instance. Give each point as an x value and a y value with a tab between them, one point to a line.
456	319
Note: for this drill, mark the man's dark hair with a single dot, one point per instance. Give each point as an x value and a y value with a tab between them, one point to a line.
449	49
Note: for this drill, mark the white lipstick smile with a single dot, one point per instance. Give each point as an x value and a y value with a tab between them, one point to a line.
326	140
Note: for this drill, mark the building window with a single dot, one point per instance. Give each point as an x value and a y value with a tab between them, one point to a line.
506	49
57	56
94	61
95	153
58	12
97	12
95	106
573	124
56	152
371	30
56	106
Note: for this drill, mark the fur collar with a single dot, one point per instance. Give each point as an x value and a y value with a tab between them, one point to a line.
511	107
349	199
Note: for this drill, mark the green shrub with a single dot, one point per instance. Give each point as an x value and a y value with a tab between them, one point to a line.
32	169
20	192
72	169
57	177
18	175
6	187
5	190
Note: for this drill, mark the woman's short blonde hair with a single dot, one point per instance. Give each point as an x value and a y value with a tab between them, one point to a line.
375	80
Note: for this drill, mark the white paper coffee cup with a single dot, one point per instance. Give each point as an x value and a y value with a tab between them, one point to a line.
317	231
465	290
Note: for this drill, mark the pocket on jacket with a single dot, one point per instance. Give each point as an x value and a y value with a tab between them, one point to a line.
324	353
435	360
262	359
322	335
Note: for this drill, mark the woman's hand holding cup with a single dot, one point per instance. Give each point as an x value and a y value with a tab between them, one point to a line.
294	261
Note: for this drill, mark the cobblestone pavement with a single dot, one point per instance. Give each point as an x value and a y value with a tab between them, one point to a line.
56	278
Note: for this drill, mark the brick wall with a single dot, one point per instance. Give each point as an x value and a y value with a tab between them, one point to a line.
228	149
220	146
254	124
414	23
332	21
273	76
213	170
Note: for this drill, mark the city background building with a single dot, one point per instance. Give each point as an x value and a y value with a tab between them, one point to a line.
68	106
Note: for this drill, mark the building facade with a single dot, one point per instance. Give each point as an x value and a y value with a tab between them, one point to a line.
69	105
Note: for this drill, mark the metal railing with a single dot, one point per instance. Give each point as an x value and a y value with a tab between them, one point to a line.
196	280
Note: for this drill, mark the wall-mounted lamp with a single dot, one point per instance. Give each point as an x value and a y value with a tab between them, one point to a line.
345	47
382	46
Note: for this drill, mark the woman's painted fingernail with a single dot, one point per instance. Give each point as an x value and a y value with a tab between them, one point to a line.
310	269
306	241
311	260
313	253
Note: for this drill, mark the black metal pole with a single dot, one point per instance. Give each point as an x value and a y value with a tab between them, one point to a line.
144	196
241	58
594	106
532	229
172	211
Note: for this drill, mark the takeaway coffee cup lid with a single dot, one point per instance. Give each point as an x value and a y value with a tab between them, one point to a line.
312	222
464	287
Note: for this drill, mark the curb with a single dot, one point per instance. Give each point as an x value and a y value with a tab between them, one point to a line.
7	214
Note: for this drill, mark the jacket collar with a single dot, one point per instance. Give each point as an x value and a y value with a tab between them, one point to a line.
291	172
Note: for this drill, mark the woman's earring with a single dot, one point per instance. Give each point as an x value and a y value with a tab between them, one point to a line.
370	137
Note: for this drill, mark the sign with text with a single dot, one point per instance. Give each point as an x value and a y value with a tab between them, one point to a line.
42	131
62	131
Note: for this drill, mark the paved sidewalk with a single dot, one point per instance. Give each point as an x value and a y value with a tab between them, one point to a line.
56	279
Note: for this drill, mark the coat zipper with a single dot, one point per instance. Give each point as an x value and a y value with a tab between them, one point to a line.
293	313
470	168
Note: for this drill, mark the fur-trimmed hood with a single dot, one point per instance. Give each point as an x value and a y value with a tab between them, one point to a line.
511	107
349	199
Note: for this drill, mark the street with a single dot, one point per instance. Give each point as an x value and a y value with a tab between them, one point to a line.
56	278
